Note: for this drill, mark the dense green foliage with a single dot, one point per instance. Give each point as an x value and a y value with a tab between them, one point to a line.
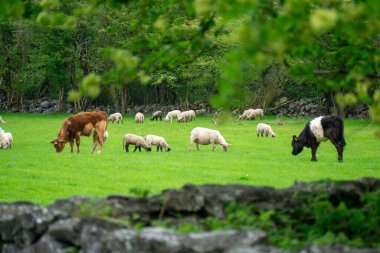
313	219
32	171
249	53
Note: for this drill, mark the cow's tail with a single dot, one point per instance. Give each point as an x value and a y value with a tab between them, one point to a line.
342	139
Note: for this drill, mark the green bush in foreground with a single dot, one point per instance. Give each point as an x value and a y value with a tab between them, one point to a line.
315	220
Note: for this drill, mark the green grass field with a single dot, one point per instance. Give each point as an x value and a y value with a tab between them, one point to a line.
32	171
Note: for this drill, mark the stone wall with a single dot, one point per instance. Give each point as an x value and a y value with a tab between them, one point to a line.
301	108
64	226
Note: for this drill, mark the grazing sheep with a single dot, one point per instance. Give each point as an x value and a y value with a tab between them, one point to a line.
264	129
205	136
157	141
256	113
2	121
318	130
246	113
186	116
115	117
172	114
138	141
156	115
139	118
6	140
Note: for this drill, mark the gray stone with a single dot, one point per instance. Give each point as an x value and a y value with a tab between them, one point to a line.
45	104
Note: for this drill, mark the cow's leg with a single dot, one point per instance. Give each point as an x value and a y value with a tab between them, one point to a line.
339	147
71	145
100	141
314	153
332	136
95	142
77	141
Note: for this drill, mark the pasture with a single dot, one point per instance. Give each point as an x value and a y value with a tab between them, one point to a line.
32	171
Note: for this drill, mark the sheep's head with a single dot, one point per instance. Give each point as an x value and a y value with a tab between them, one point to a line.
225	146
297	146
148	149
273	134
58	145
168	149
5	144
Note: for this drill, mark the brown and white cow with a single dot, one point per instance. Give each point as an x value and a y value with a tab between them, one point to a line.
84	123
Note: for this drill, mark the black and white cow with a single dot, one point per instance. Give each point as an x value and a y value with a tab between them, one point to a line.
317	130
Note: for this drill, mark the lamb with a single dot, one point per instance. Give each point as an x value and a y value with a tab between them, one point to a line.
247	113
255	113
172	114
156	115
139	118
264	129
205	136
186	116
138	141
115	117
318	130
6	140
157	141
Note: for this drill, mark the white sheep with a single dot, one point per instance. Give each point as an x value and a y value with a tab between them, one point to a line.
172	114
264	129
246	113
186	116
6	140
115	117
139	118
138	141
256	113
205	136
157	141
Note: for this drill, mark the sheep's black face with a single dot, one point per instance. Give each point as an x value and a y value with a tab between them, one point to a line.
148	149
297	146
168	149
58	145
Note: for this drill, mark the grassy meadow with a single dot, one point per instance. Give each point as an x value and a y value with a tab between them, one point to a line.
32	171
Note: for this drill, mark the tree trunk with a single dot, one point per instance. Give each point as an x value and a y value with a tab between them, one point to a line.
124	98
60	100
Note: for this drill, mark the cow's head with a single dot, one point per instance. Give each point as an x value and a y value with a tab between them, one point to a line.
297	146
58	145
